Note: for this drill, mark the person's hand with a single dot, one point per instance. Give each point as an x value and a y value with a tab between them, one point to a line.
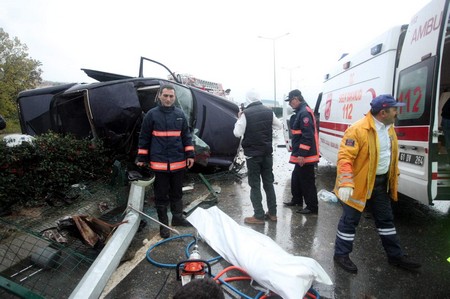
190	162
345	193
301	161
240	113
140	164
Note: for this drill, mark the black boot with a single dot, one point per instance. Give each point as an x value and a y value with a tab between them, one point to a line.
177	214
179	220
164	232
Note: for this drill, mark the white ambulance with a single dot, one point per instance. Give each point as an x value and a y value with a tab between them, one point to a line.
411	62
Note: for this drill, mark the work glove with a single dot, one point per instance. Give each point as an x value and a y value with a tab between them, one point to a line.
345	193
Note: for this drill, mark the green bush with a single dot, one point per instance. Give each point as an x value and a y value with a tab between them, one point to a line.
12	127
53	162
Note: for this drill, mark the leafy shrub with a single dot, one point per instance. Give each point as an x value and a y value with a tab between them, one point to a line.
53	162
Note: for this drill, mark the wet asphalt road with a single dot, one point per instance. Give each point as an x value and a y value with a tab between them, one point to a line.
424	233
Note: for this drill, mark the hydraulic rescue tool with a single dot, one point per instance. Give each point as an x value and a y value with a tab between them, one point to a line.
192	268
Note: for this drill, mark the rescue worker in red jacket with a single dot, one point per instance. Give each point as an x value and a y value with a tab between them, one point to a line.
305	154
165	144
367	174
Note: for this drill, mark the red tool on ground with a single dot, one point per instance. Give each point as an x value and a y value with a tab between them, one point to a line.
193	268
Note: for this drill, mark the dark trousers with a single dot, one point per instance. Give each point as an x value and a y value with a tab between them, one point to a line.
261	168
380	206
303	186
168	188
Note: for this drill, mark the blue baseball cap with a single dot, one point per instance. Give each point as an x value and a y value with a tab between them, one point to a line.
385	101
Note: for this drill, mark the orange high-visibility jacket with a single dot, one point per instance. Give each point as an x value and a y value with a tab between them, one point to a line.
358	159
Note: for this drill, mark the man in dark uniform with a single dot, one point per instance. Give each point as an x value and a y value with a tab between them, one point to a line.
165	143
305	154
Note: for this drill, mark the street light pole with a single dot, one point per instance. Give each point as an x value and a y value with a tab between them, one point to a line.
274	39
290	69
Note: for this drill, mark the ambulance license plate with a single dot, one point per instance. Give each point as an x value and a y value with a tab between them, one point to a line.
410	158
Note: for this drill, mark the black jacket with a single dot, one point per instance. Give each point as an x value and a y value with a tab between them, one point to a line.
258	131
165	140
305	139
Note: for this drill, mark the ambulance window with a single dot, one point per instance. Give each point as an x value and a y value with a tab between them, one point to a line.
415	85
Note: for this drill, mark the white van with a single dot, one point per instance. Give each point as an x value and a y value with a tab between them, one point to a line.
411	62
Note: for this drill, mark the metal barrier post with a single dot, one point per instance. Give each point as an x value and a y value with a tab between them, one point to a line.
94	281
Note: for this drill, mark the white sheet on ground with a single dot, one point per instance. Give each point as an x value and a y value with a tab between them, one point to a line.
265	261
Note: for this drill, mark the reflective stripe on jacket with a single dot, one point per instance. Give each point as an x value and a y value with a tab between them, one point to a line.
305	138
358	159
165	141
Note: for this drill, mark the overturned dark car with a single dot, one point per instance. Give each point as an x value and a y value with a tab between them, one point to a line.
113	109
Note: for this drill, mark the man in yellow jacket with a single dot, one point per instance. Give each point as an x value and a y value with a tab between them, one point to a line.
367	175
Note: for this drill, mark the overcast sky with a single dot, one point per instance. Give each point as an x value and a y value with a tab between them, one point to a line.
212	40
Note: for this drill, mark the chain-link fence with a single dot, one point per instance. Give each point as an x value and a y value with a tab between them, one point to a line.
46	250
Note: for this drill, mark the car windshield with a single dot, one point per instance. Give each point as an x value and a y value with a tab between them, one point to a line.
148	98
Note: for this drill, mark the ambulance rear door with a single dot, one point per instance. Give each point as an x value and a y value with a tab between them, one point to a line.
418	84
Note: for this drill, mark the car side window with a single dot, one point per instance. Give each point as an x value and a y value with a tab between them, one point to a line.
185	102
